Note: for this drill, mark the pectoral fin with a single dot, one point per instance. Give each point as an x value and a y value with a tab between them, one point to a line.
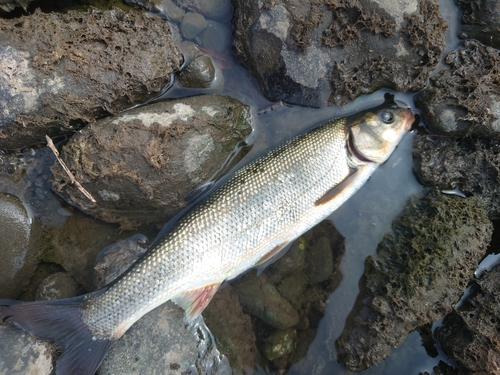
194	301
336	190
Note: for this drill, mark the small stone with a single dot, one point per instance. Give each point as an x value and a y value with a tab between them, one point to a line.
261	299
200	73
216	36
280	344
192	25
56	286
115	259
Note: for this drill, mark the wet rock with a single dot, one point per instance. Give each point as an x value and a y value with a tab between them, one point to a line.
20	236
71	246
465	99
321	52
156	344
261	299
469	166
59	72
284	294
469	335
23	354
56	286
9	5
481	21
419	273
319	264
192	25
214	9
232	329
216	37
140	165
116	258
200	73
280	344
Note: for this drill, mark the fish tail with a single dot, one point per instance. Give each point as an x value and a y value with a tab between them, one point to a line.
61	321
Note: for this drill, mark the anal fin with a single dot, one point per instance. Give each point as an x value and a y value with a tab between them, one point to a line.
194	301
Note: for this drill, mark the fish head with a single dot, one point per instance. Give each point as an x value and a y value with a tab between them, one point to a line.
374	134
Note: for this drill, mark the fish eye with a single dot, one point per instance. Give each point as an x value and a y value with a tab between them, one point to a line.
387	116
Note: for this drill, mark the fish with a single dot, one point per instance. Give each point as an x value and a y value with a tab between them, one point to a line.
244	223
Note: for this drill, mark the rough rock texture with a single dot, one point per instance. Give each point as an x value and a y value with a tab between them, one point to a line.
22	354
56	286
469	335
418	275
140	165
157	344
481	21
71	246
464	100
232	329
19	246
59	72
287	300
471	166
318	52
116	258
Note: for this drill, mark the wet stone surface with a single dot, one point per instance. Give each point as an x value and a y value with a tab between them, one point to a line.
139	166
287	301
323	52
468	165
481	20
419	273
469	335
465	99
22	354
58	73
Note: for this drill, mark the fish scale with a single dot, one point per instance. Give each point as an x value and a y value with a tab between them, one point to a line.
244	223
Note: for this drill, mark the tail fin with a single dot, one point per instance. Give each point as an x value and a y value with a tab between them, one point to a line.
61	321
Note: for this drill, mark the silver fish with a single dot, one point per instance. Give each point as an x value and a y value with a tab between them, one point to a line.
244	223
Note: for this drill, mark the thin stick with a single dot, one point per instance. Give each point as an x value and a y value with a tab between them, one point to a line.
68	172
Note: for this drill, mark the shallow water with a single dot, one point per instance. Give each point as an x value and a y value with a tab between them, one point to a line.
363	220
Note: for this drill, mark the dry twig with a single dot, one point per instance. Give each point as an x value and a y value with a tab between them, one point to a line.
68	172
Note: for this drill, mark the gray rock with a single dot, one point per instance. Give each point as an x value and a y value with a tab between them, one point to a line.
464	166
19	238
23	354
469	335
200	73
192	25
157	344
56	286
216	36
232	329
465	99
481	21
214	9
60	71
140	165
261	299
116	258
419	273
322	52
